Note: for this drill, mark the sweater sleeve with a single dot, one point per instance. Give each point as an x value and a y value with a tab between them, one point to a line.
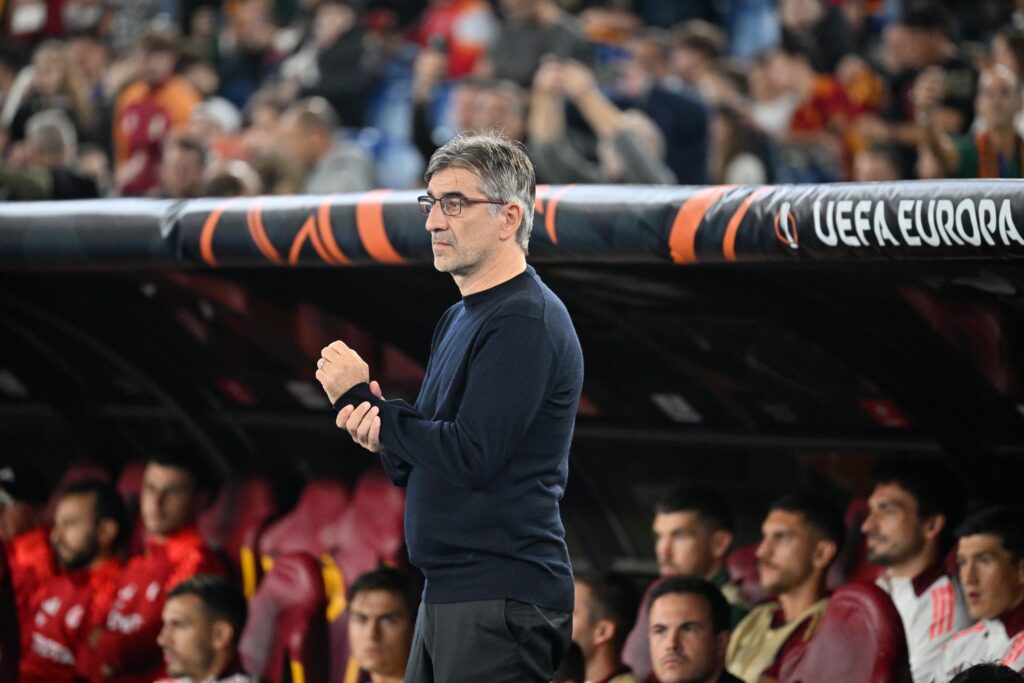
506	382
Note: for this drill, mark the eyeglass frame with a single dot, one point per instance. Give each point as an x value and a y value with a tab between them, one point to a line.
443	199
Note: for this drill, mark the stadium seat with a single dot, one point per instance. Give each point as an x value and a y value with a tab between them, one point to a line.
285	637
10	644
322	504
240	512
852	564
129	485
860	640
742	565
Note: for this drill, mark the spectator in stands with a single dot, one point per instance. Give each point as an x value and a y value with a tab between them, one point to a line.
147	110
739	153
990	557
693	532
689	632
1008	49
382	607
338	63
52	82
630	148
499	106
23	495
911	511
877	163
87	524
697	45
233	178
181	168
248	53
534	29
823	23
39	168
801	536
988	673
461	30
604	613
174	487
328	164
995	150
203	619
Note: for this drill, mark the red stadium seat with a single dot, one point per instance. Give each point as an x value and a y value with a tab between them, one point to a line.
321	505
285	637
852	565
369	534
860	640
10	641
742	565
240	512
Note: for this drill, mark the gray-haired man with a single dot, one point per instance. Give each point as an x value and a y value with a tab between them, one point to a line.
484	454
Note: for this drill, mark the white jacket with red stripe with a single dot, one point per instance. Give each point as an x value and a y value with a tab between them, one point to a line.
990	640
932	608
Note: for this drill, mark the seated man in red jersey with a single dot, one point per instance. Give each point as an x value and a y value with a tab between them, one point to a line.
203	620
913	509
801	536
990	554
87	523
173	491
23	495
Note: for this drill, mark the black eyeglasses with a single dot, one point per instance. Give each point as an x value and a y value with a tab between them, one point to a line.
451	204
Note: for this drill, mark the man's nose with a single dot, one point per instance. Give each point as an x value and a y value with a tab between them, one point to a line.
436	220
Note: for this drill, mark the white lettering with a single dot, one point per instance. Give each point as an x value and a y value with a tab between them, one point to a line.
974	237
906	224
944	216
987	220
931	237
1007	230
860	220
828	238
843	209
882	231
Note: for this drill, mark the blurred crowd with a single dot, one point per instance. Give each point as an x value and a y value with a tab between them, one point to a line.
186	98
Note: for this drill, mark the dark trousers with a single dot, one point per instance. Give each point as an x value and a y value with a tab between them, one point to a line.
487	640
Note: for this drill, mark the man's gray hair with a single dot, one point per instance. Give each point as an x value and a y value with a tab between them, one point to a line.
505	171
53	132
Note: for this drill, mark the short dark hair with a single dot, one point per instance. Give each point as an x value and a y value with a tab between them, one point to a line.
691	585
702	36
197	467
221	599
107	504
391	580
1003	521
711	507
934	488
612	597
927	15
988	673
189	144
819	512
796	44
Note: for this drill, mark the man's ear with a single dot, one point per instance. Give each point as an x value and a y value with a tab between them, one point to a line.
932	526
222	634
513	215
604	631
720	543
824	552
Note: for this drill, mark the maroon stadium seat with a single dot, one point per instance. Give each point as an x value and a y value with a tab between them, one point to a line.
240	512
285	637
852	565
129	485
742	565
10	641
321	505
860	640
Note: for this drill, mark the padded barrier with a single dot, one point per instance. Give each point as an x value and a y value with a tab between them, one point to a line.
963	219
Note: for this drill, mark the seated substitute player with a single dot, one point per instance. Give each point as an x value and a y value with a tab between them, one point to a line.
203	619
87	523
801	536
990	555
382	607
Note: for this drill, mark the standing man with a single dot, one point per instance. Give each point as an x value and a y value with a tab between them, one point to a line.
689	632
87	524
990	554
692	536
801	536
604	613
484	454
912	509
381	614
202	622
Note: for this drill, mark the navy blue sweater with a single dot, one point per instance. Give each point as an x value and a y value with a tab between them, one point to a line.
484	454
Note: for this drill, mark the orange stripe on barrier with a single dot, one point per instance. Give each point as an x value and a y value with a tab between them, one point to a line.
259	235
370	224
308	231
683	236
729	241
549	214
323	219
210	227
